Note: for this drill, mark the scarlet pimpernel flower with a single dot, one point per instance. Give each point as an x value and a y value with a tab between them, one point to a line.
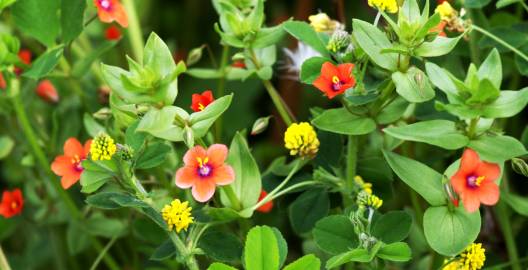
265	208
103	147
47	91
111	10
177	214
205	169
335	80
25	57
69	165
391	6
12	203
475	180
112	33
301	139
200	101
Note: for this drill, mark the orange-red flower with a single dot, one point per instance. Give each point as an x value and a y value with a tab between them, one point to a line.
12	203
439	28
474	181
111	10
3	83
265	208
335	80
25	57
238	64
47	91
69	165
113	33
200	101
204	170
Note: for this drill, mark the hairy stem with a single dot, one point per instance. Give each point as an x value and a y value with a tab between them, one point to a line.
190	261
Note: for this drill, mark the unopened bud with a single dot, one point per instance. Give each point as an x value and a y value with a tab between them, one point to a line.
260	125
194	55
47	91
340	40
188	136
125	151
520	166
102	114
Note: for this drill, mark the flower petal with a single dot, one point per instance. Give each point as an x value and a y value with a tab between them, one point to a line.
489	193
120	15
345	71
323	84
459	181
186	177
328	70
204	190
490	171
223	175
70	179
469	162
217	154
62	165
190	158
87	145
471	201
73	147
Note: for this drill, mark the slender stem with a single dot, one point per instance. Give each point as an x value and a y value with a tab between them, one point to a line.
271	195
352	151
472	130
190	261
233	199
473	46
376	20
103	252
503	218
4	265
134	30
500	41
220	90
294	187
523	4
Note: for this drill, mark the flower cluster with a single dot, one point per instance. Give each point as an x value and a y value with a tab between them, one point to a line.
322	23
390	6
301	139
363	186
103	147
472	258
177	214
365	199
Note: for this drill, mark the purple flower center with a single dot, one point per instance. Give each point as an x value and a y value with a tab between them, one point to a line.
336	83
474	181
204	170
105	4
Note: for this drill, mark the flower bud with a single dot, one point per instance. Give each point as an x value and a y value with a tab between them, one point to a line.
260	125
113	33
520	166
47	91
125	151
188	136
102	114
194	55
340	40
3	83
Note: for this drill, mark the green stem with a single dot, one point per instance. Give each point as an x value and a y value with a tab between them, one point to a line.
523	4
352	151
500	41
103	252
473	46
134	30
271	195
220	90
472	129
503	218
235	202
190	261
4	265
294	187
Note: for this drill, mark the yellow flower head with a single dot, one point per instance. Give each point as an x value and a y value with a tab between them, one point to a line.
365	199
473	257
322	23
453	265
390	6
446	11
102	147
177	214
301	140
365	186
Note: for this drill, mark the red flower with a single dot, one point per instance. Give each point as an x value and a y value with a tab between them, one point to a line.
69	165
204	170
111	10
25	57
12	203
474	181
3	83
439	28
47	91
335	80
113	33
265	208
239	64
200	101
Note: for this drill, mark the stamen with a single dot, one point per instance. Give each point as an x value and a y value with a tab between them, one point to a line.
14	205
201	107
335	80
479	180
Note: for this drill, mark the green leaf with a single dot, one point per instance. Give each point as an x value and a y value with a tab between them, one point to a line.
518	203
6	146
39	19
282	245
221	246
335	234
81	66
485	93
96	174
247	184
77	238
424	180
268	36
497	148
6	3
476	3
44	64
164	251
133	138
220	266
508	104
410	11
307	209
450	232
491	68
92	127
261	251
503	3
438	47
72	18
357	255
442	133
305	33
396	252
160	123
372	41
413	85
158	56
392	227
392	112
311	69
343	122
200	122
307	262
154	155
98	225
441	78
215	215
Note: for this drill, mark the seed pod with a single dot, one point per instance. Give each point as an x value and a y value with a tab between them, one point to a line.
195	55
260	125
520	166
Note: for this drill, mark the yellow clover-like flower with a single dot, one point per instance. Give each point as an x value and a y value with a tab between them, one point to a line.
102	147
453	265
322	23
365	199
365	186
177	214
301	140
473	257
390	6
446	11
